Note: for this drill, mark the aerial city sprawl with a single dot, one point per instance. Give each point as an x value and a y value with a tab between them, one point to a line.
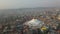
30	21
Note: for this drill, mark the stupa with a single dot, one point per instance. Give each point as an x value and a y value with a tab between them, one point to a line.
34	23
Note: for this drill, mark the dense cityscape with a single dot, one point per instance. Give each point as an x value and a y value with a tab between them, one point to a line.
13	23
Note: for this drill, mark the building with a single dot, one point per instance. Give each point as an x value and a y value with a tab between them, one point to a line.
34	23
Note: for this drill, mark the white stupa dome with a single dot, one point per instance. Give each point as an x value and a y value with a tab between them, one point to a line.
34	23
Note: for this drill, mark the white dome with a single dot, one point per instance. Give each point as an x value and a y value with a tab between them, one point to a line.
34	23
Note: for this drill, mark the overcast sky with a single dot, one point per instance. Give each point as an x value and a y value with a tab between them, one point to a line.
6	4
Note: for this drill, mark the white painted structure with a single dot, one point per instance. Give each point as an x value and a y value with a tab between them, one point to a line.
34	23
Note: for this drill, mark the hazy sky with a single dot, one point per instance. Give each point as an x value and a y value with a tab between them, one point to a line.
5	4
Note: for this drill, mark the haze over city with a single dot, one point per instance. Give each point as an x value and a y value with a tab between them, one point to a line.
13	4
29	16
